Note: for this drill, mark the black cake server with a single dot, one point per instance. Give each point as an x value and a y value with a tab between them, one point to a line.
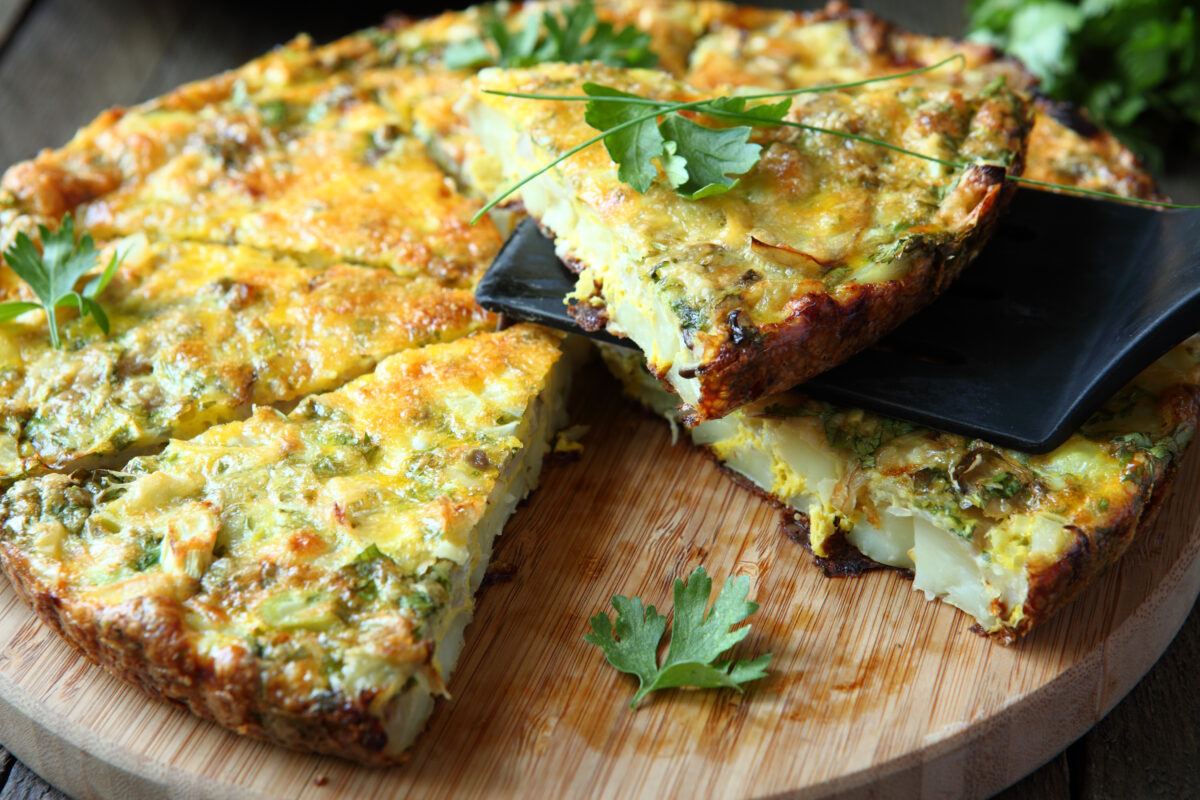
1069	300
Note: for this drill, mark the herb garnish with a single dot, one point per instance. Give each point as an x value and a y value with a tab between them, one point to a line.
53	273
562	41
699	161
1134	64
697	640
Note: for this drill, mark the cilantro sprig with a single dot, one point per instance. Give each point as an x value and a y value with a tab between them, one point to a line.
643	134
547	38
53	273
697	638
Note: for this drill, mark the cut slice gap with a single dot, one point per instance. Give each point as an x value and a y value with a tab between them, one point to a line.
199	334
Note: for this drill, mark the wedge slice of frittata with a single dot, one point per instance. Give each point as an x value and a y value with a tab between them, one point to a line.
1008	537
824	245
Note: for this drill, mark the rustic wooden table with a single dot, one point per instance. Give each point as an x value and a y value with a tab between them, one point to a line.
62	61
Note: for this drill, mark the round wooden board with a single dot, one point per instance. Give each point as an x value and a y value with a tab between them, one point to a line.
873	691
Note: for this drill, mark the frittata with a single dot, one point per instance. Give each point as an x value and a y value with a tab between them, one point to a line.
302	577
271	156
821	248
771	49
300	566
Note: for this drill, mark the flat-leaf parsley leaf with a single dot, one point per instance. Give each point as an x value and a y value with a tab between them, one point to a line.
53	273
697	639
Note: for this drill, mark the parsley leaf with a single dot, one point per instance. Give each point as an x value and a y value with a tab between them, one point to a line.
632	148
564	40
697	160
53	273
708	155
697	639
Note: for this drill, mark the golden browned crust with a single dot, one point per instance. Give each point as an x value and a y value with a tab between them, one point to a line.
1096	549
145	642
824	329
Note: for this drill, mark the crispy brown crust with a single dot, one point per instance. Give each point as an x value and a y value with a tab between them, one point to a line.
145	642
1058	583
844	559
825	329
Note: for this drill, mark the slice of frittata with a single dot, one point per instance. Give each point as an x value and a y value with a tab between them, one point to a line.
304	578
823	246
287	154
1007	537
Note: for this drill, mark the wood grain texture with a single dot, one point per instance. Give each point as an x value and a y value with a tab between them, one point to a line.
873	691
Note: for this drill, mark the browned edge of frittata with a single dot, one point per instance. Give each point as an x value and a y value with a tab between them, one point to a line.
145	641
1054	585
1051	587
825	329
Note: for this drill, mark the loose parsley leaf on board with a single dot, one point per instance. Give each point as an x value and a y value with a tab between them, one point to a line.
53	273
697	639
548	39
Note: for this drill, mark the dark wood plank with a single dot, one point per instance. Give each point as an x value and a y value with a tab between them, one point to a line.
73	58
1051	781
24	784
1149	746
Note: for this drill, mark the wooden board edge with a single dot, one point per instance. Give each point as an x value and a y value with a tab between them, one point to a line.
86	767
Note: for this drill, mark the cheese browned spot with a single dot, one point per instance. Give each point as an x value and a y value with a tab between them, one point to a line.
302	577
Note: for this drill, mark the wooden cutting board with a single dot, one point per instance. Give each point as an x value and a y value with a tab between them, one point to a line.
872	692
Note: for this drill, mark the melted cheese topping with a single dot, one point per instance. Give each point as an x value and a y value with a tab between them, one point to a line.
789	50
816	214
272	156
198	334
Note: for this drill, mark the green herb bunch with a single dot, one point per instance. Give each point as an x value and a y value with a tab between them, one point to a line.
1133	64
